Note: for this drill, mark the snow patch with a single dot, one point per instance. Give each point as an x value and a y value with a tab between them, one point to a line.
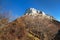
35	12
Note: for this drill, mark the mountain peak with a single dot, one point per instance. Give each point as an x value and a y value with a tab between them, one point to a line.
33	11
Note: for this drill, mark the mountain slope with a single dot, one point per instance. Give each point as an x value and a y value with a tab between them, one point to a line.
34	25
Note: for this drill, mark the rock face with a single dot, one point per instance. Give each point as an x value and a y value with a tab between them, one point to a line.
34	25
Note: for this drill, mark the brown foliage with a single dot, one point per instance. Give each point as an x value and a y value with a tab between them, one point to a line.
13	31
3	22
29	28
40	27
4	17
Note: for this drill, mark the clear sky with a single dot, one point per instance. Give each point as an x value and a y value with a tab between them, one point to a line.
18	7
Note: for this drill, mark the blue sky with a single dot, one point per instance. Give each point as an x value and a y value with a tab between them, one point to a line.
18	7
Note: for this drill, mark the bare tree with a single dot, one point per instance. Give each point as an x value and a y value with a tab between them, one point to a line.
4	17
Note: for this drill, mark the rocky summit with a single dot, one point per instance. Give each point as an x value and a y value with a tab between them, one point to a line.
33	25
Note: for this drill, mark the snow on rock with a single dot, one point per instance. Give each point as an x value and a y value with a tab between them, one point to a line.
35	12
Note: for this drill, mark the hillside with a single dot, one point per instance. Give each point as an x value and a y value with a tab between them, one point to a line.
34	25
